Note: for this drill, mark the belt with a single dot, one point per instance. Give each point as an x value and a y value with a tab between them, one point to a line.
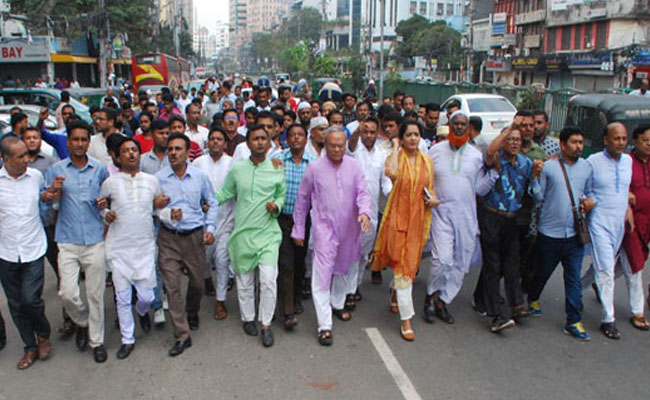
506	214
181	232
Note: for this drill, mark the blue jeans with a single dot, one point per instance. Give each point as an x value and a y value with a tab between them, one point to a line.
158	290
23	285
550	252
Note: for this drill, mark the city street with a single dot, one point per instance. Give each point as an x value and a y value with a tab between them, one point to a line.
534	360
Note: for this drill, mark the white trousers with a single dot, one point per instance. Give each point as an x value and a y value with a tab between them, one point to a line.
124	313
268	294
606	287
325	300
405	302
367	244
217	266
73	258
446	279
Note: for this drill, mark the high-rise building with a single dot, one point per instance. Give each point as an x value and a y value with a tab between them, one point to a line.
238	22
265	14
221	35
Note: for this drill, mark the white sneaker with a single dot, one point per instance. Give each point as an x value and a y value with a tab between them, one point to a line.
159	317
165	301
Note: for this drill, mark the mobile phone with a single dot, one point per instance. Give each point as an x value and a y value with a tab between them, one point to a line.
427	194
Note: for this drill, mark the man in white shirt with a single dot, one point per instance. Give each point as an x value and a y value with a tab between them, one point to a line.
184	101
316	140
22	247
372	160
130	218
643	90
194	131
216	165
105	122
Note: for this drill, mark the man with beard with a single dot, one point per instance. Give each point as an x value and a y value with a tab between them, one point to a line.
348	112
104	121
304	113
461	174
431	118
144	135
260	191
550	146
362	111
316	140
557	238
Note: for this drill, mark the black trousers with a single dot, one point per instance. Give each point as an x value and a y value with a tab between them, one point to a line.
500	246
286	266
23	286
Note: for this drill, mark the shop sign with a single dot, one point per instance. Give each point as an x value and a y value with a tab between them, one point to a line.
16	51
525	63
498	65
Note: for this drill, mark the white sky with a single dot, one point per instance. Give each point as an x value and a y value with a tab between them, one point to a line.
211	11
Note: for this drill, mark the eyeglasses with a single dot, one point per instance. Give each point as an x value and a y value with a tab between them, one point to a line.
230	118
514	140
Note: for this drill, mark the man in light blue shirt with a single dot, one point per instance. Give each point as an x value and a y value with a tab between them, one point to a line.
556	238
182	239
80	236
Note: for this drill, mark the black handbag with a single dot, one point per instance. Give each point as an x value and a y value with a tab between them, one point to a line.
580	222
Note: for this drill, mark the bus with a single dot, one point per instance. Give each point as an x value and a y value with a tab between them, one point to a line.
158	69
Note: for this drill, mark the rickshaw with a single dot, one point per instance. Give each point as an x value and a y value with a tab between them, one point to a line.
592	113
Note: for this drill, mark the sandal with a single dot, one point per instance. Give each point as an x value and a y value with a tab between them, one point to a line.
640	322
325	338
290	322
407	334
343	315
220	311
610	331
27	360
394	308
350	304
305	289
358	296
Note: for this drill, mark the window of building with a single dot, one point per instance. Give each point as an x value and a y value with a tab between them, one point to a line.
413	7
566	38
423	8
601	35
450	9
577	38
588	36
440	9
551	40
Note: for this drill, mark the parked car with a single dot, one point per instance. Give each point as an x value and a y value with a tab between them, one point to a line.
49	98
196	84
495	111
281	78
32	113
88	96
592	113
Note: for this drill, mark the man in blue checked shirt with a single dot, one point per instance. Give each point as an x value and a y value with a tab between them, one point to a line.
499	238
291	262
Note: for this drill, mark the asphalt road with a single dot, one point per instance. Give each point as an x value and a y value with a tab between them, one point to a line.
534	360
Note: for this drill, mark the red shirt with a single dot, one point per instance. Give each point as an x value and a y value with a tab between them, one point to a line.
145	144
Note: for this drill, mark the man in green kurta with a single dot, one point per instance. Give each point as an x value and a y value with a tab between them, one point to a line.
259	188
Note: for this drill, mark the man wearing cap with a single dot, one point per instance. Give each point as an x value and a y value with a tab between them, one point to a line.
304	113
461	175
316	139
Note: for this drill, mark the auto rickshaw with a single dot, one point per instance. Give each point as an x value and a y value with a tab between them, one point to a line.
593	112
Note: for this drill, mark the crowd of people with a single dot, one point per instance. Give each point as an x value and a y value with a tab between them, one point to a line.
301	197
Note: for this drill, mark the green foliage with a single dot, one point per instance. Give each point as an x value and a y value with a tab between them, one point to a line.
429	40
356	70
530	99
325	66
295	60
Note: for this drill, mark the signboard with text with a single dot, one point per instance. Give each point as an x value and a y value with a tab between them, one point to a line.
14	51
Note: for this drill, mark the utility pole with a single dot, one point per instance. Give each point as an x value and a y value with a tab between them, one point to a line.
175	29
104	30
470	53
382	20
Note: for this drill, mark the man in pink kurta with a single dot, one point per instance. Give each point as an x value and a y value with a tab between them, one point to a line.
338	194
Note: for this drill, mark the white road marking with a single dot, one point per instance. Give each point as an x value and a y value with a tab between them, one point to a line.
392	365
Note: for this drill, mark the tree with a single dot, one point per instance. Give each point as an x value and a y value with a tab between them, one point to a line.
356	69
304	24
325	66
295	60
429	40
407	29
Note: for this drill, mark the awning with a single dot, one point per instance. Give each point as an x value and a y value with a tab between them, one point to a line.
67	58
125	61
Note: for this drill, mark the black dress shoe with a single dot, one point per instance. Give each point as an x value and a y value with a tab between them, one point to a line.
124	351
297	306
180	346
100	354
429	309
250	328
81	338
442	313
145	322
267	337
193	321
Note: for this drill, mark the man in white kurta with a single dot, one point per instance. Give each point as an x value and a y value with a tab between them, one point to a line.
130	243
372	160
610	185
216	165
460	174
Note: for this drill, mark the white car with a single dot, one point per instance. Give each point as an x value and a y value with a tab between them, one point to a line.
496	112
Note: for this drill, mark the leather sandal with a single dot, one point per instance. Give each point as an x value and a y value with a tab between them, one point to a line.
407	334
343	315
27	360
220	311
394	308
640	322
325	338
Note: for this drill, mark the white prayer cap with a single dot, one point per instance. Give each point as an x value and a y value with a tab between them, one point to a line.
318	121
303	105
458	112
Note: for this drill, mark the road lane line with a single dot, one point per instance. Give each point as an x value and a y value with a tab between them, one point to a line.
392	365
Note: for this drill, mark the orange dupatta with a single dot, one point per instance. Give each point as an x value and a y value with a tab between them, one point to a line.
405	225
